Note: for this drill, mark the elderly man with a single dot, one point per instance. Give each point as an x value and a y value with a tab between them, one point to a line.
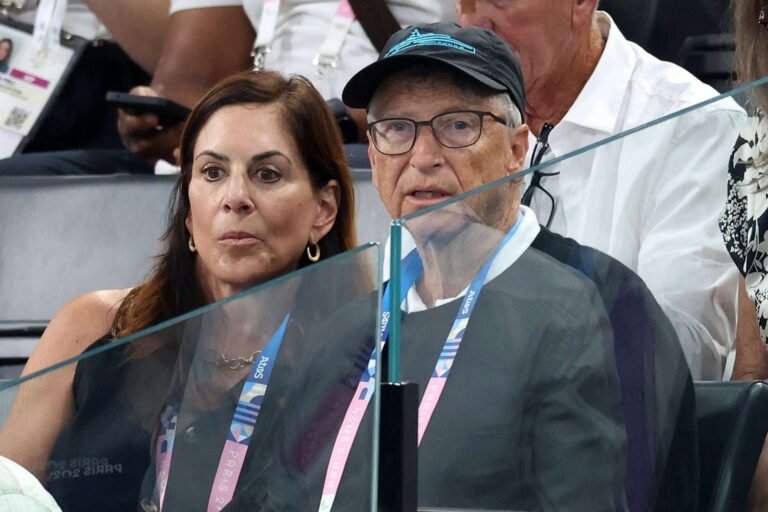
650	200
533	378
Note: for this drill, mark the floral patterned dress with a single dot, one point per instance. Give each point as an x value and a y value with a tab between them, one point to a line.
744	222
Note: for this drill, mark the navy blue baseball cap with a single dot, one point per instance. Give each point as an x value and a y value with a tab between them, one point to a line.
476	52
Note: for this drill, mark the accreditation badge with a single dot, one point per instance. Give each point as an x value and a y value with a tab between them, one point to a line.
31	75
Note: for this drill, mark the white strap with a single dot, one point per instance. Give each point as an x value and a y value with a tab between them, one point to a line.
266	32
48	21
334	41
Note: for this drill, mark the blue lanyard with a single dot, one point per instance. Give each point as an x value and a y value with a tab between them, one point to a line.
240	431
412	268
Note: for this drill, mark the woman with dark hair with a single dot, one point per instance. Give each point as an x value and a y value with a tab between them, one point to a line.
264	190
6	51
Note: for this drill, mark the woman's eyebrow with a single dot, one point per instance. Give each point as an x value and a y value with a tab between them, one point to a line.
268	154
208	152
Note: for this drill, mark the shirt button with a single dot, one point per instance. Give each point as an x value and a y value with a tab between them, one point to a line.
148	506
190	435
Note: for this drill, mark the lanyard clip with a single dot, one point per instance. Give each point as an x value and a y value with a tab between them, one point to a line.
259	55
325	63
7	7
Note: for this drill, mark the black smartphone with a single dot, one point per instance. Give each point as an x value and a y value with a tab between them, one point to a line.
169	112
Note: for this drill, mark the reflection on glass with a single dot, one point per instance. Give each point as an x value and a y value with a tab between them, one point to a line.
239	405
547	367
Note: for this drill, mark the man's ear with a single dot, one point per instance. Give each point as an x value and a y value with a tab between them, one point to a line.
328	199
582	12
518	143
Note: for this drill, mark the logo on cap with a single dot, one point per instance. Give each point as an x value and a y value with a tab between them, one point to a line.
416	38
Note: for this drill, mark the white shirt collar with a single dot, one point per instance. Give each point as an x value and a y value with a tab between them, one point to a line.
600	101
526	233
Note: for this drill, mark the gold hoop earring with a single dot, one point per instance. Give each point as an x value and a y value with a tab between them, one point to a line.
313	247
191	244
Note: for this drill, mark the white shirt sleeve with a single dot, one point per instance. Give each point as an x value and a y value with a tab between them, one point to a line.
682	257
183	5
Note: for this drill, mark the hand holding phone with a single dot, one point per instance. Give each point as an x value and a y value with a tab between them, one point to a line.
168	112
151	137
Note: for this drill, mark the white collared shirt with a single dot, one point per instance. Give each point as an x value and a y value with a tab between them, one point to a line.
302	26
652	200
522	239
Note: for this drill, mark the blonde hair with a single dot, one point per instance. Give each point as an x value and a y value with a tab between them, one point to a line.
751	49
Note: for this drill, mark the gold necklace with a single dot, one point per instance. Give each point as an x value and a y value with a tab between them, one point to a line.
220	360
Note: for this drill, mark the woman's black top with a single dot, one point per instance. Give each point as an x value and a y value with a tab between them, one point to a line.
101	456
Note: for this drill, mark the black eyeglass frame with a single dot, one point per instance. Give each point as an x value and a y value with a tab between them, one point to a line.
541	147
482	114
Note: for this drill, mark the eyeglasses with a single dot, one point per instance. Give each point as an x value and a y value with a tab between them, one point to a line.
459	129
762	18
539	150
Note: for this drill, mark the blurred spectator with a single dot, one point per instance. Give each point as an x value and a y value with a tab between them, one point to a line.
194	57
744	221
80	118
586	79
6	51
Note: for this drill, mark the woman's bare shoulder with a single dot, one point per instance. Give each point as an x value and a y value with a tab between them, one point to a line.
76	326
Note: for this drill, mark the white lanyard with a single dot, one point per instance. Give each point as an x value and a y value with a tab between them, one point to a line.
266	32
327	58
48	21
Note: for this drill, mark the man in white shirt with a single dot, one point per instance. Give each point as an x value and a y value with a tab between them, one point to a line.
650	200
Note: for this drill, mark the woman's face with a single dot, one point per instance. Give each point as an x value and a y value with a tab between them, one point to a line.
5	49
253	209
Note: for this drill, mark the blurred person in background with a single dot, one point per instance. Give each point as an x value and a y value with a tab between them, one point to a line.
208	40
123	38
650	200
744	221
6	52
248	208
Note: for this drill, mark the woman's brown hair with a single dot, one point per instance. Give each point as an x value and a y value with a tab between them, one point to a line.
172	288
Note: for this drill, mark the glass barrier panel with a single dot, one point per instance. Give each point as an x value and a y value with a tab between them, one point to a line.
235	406
671	200
643	295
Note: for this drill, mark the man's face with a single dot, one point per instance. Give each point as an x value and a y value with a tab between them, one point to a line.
430	173
540	31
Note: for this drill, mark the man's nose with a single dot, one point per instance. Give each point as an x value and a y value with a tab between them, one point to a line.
427	152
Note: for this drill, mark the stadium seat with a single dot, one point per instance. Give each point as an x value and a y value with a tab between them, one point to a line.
732	426
635	18
65	235
677	20
711	59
